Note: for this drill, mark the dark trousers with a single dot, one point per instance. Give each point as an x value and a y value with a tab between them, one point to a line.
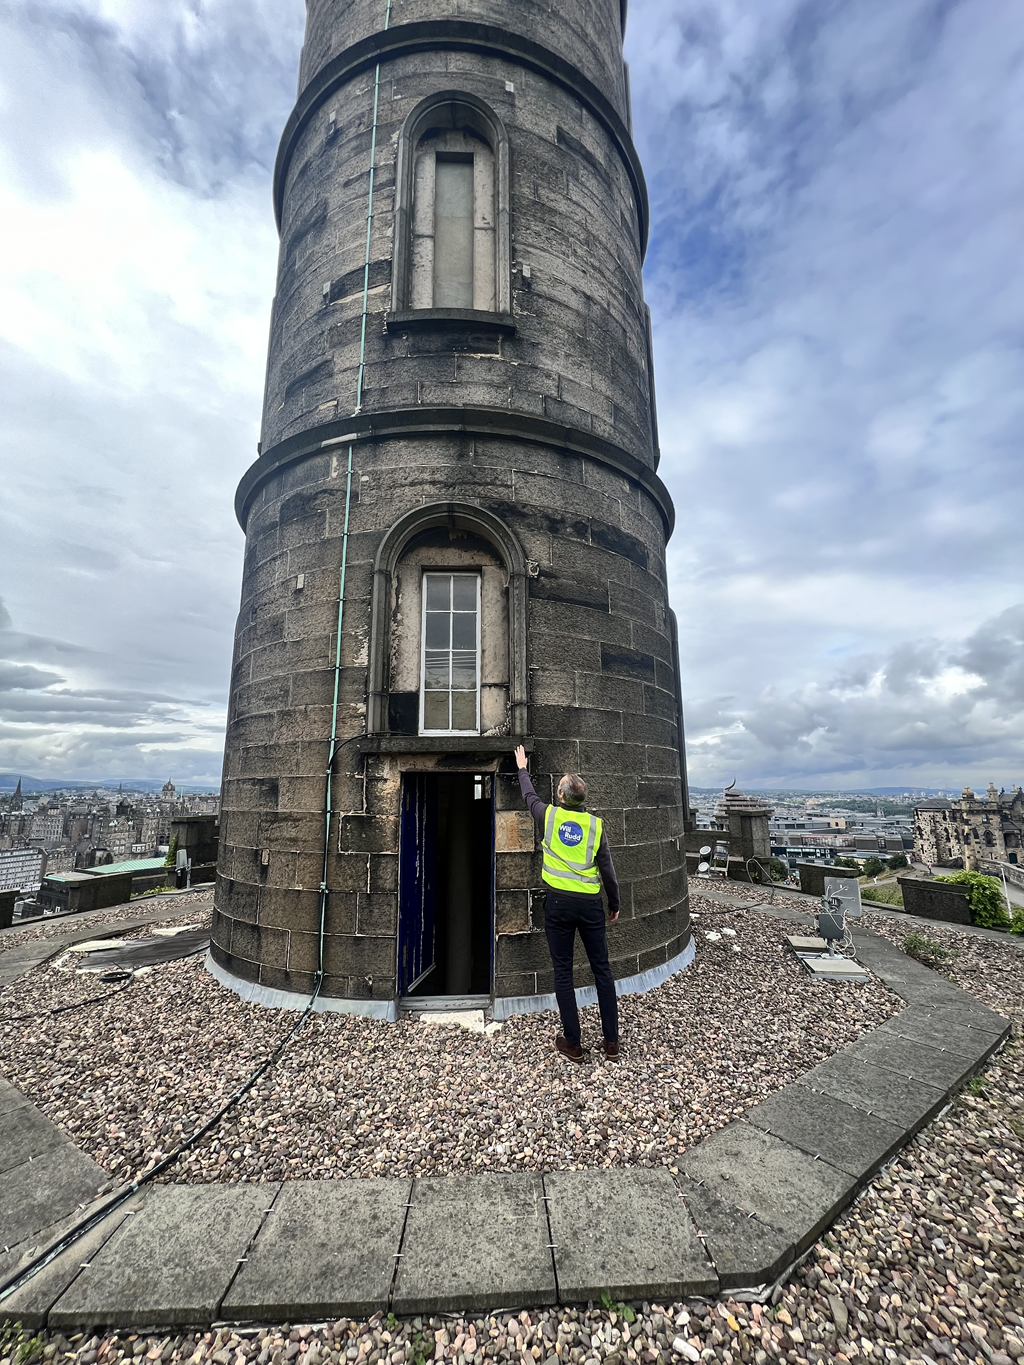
565	916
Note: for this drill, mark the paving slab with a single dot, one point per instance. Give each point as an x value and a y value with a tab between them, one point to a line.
877	1090
745	1250
171	1263
827	968
11	1097
625	1231
764	1175
937	1028
26	1133
475	1243
327	1249
844	1136
935	1066
49	1187
31	1304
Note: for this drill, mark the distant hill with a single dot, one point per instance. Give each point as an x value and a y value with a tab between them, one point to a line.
8	782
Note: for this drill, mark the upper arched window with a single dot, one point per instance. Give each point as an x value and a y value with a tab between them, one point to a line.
451	239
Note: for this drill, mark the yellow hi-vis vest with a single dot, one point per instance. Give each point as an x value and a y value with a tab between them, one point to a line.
571	841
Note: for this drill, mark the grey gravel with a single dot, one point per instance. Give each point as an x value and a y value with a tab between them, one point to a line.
127	1079
928	1265
57	927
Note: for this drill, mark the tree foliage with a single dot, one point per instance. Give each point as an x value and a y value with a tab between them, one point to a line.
988	908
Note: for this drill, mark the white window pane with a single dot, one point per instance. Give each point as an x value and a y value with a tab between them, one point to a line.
435	668
435	710
463	630
464	592
439	590
463	710
464	668
453	234
438	624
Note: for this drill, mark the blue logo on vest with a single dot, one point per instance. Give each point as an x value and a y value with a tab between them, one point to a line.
570	833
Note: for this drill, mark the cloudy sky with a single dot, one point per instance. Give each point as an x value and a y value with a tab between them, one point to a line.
835	281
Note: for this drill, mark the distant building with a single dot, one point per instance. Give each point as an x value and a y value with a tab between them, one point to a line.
970	829
167	791
745	820
21	869
47	825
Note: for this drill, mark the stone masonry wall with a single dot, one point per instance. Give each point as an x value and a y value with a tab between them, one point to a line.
580	353
602	703
573	379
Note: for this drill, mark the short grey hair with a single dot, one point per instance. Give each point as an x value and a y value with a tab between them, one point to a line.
572	790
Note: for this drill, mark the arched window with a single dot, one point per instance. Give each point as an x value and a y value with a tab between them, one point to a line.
451	210
448	626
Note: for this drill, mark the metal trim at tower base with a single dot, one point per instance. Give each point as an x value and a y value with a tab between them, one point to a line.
255	994
639	984
505	1006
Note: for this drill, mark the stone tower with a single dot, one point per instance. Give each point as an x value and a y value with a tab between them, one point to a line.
455	531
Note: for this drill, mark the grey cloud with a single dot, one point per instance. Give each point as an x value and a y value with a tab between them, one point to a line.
17	676
929	709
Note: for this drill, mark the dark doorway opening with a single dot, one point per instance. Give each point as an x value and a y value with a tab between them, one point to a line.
445	888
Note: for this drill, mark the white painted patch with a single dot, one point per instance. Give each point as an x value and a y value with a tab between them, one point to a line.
471	1020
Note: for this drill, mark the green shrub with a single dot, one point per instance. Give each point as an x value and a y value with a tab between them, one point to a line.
988	909
1017	921
898	860
851	863
926	950
172	853
873	866
886	893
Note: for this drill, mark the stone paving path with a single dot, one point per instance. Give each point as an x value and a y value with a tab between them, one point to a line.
746	1203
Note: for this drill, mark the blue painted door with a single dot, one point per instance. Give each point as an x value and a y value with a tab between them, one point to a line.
417	880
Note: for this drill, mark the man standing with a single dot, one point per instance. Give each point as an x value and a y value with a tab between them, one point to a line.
575	853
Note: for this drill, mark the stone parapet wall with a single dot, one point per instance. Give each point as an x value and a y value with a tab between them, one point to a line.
936	900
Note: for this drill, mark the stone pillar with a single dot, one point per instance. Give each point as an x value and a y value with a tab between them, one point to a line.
497	422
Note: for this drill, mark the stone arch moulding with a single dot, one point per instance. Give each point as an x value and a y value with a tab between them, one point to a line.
450	109
462	516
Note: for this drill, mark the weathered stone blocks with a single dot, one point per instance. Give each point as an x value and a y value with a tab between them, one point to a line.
540	419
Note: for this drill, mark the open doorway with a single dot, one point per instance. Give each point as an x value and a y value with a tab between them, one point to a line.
446	881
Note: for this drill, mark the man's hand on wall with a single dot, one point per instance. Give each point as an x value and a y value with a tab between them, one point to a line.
520	754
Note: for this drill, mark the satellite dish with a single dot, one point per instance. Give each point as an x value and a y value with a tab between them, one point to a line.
705	850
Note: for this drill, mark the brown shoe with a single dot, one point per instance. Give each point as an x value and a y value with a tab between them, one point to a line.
610	1050
572	1051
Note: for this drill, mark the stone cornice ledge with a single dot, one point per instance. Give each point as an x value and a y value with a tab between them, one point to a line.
430	422
461	35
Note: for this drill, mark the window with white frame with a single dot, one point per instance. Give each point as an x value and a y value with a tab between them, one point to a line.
450	668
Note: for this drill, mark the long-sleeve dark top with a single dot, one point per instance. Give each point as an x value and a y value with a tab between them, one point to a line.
538	809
